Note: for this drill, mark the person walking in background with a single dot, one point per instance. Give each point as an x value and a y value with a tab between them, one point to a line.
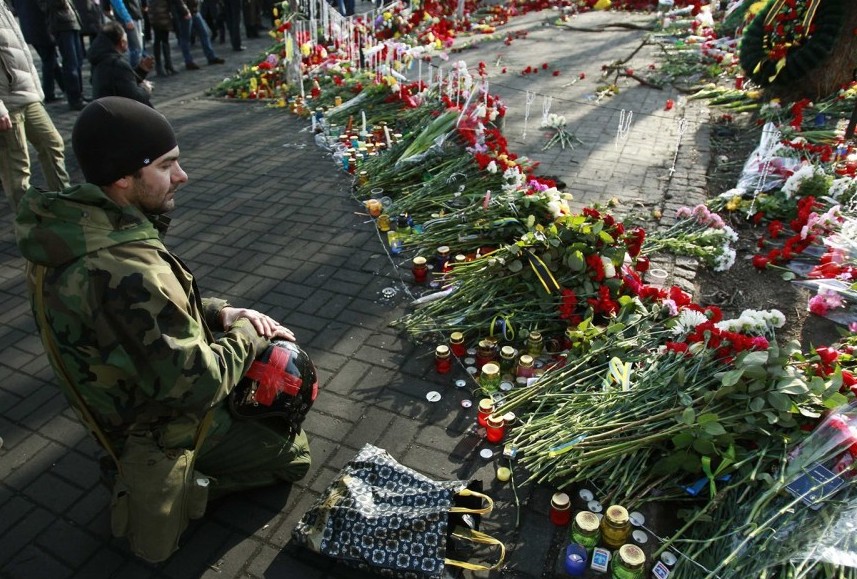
194	23
34	25
91	18
213	13
112	74
64	26
130	14
161	18
232	16
23	117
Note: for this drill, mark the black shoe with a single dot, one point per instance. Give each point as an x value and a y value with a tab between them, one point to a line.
51	99
191	66
239	48
216	60
77	105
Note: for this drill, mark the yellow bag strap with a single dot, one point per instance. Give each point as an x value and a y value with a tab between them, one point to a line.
465	492
53	353
481	538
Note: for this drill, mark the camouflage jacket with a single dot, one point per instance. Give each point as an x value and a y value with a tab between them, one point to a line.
131	327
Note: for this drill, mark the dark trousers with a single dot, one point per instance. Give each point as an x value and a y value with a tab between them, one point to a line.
232	14
71	54
51	71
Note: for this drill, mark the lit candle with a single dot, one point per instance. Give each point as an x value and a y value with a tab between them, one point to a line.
575	560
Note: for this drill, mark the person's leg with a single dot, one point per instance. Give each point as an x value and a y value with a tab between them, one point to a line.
168	60
48	56
252	454
48	143
14	160
68	42
158	49
204	35
233	22
183	34
135	45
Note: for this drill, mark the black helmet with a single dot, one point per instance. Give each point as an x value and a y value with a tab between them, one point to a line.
282	381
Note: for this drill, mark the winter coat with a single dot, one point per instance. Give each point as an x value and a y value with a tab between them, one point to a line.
91	17
112	74
161	13
34	23
127	10
62	15
19	78
136	337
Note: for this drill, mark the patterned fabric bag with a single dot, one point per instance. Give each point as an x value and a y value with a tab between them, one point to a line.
381	516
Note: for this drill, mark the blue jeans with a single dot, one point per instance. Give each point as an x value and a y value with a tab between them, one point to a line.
135	43
195	22
71	53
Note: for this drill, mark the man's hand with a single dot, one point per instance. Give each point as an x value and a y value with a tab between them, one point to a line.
265	325
5	122
129	25
147	63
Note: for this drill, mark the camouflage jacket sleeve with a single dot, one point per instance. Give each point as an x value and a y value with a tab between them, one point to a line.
211	312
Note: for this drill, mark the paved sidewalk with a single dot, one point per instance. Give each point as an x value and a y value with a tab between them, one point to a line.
268	222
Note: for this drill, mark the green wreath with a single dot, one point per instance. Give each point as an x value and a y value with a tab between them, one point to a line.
781	59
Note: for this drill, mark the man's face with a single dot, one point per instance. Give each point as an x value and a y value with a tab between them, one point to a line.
153	191
123	44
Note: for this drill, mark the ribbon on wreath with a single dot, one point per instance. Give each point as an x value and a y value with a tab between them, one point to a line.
542	272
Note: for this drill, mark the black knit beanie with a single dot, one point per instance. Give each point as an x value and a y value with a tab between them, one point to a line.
114	136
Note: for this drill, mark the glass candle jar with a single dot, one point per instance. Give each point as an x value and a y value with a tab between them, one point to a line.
419	269
575	560
383	222
507	360
495	429
486	407
395	242
442	359
489	379
560	510
373	206
628	563
442	259
456	344
584	529
535	344
615	527
525	367
485	352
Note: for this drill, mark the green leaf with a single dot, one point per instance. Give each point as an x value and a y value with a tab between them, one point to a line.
516	266
756	404
779	401
707	417
731	378
682	439
756	358
531	221
713	428
606	237
792	386
576	261
772	418
703	446
788	275
688	416
834	400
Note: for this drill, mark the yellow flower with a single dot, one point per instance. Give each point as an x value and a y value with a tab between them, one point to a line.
388	16
733	203
306	48
602	5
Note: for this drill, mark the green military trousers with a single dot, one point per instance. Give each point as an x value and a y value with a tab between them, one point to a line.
246	454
